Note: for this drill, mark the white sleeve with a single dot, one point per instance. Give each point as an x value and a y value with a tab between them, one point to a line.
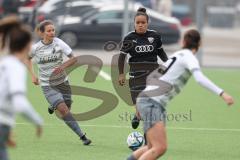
205	82
33	51
17	79
191	62
17	88
65	47
22	105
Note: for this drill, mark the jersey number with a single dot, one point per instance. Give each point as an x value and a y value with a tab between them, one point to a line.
170	65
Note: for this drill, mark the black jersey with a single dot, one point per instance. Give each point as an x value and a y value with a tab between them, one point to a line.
143	48
143	51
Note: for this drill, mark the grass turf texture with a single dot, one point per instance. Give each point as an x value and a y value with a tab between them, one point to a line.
197	127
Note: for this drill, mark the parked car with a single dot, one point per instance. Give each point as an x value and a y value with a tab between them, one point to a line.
183	13
45	11
146	3
105	24
73	8
53	8
27	11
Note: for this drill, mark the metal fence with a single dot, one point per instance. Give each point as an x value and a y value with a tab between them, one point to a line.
219	21
220	33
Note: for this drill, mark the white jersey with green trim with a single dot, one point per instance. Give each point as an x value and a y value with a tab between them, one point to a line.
48	57
180	67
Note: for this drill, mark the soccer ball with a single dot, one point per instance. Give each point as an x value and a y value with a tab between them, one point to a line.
135	140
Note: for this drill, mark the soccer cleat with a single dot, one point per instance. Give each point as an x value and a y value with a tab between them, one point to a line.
135	122
50	110
85	140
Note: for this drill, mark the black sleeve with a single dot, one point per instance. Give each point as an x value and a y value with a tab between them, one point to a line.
127	44
160	51
162	54
125	49
121	62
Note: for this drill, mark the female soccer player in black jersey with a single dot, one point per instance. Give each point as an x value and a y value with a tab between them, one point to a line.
143	46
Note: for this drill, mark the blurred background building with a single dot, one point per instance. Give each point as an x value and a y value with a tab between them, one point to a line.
184	10
89	24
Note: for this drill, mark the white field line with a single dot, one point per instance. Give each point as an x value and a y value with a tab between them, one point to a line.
169	128
103	74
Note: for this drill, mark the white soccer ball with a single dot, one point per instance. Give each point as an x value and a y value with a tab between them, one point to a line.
135	140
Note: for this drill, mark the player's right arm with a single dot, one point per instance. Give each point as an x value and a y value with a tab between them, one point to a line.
126	45
28	63
121	61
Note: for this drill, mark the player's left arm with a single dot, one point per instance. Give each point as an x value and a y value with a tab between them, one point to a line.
125	49
192	64
71	61
162	54
68	52
18	97
208	84
160	51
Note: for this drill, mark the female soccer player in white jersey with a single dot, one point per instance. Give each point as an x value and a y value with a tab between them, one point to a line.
48	54
163	85
16	41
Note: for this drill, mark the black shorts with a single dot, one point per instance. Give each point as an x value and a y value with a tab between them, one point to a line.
136	87
138	76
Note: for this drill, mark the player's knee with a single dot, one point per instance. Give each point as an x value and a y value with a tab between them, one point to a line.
63	109
161	149
68	103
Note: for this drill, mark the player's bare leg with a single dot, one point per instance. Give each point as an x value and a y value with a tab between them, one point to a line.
157	138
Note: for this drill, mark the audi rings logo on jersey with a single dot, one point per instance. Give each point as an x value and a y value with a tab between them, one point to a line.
144	48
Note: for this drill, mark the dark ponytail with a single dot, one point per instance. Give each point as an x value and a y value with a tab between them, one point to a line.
13	34
142	12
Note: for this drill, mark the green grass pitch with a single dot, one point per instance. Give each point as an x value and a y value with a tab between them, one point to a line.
200	126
